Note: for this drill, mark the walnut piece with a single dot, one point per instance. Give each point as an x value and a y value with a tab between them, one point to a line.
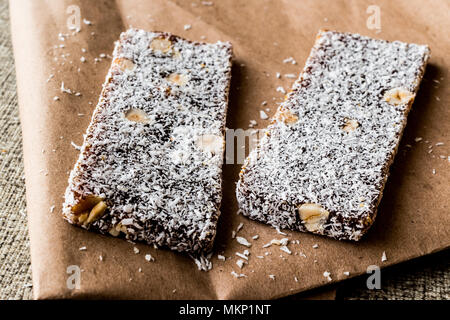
178	79
137	115
313	216
82	217
96	212
85	205
161	44
114	232
398	96
350	125
286	116
88	210
117	229
124	64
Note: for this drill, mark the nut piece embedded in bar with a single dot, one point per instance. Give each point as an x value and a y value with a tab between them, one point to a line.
137	115
313	216
161	44
124	64
398	96
286	116
350	125
178	79
96	212
85	205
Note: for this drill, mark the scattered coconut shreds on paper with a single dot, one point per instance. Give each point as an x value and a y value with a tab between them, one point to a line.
135	250
285	249
346	273
255	237
149	258
82	249
63	89
239	227
280	242
187	27
272	276
263	115
383	257
281	89
203	262
327	275
50	77
238	275
77	147
241	255
290	60
240	263
243	241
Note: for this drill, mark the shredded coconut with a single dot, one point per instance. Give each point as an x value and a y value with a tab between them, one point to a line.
158	167
243	241
312	160
383	257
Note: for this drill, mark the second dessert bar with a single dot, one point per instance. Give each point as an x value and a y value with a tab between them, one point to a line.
323	164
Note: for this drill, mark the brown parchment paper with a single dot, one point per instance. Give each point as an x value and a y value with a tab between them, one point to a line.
413	218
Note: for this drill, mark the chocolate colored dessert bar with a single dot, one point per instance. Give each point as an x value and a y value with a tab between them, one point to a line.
324	161
150	167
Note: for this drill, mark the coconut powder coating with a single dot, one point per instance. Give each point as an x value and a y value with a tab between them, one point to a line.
150	167
324	161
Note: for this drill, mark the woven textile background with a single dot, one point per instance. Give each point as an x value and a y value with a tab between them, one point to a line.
425	278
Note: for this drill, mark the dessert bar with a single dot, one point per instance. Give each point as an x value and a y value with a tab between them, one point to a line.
150	167
323	163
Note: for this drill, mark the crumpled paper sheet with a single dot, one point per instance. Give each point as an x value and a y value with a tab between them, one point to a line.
413	218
